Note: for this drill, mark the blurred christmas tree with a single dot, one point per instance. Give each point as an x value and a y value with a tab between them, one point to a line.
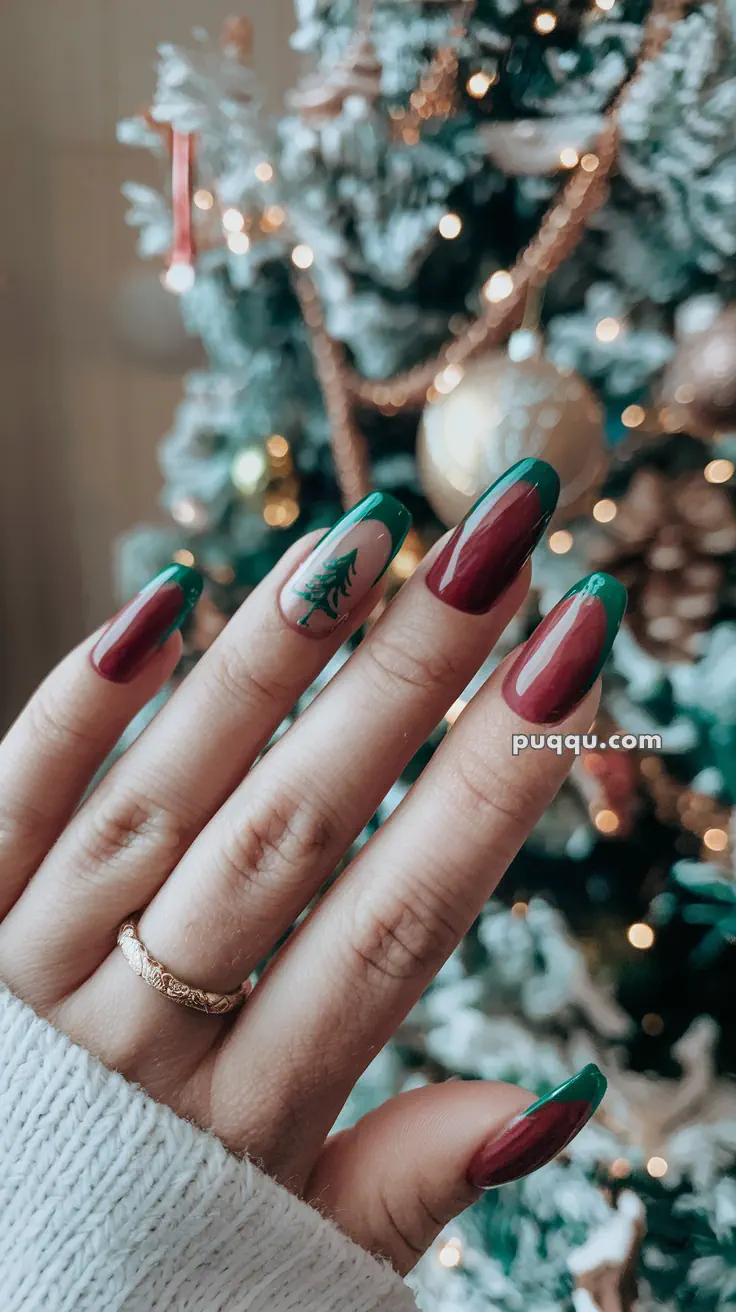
484	231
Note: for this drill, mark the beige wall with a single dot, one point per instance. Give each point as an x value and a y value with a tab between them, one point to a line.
79	420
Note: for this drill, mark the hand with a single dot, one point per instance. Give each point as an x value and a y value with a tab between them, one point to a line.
219	855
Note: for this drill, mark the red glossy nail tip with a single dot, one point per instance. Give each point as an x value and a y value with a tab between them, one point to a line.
486	551
144	625
540	1133
566	653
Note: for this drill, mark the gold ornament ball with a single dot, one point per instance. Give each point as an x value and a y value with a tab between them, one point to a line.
502	411
701	380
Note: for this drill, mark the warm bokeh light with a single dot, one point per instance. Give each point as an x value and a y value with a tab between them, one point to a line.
264	171
640	936
606	822
232	220
605	510
448	380
203	199
183	557
657	1167
520	909
450	226
273	217
451	1253
605	4
479	85
302	256
607	330
633	415
620	1168
589	162
455	711
561	542
716	840
499	286
545	22
569	157
277	446
239	243
281	514
248	468
179	278
719	471
652	1024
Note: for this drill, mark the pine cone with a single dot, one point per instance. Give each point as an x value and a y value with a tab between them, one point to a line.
667	545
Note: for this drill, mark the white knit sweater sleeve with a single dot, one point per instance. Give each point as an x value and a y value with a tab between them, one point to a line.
109	1201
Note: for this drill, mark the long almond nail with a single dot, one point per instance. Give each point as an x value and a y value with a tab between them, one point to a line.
540	1133
144	625
345	565
566	653
486	551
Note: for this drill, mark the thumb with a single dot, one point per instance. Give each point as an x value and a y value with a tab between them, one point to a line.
396	1179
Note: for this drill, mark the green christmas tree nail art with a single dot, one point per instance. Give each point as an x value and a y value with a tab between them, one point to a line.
345	565
327	588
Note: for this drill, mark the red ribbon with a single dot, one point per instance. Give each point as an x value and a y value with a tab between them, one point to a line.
183	250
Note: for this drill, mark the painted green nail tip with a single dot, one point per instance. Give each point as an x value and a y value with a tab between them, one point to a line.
613	597
190	583
537	473
589	1085
387	510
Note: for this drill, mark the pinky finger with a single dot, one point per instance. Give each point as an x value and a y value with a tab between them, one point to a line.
72	722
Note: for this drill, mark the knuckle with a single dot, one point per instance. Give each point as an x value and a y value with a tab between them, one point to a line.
125	822
406	939
234	683
21	827
409	1225
408	662
282	833
57	726
482	787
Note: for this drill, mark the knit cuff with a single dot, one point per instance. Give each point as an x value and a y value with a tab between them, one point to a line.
109	1200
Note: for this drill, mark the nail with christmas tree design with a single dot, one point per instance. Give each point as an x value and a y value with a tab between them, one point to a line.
345	565
540	1133
566	653
487	550
144	625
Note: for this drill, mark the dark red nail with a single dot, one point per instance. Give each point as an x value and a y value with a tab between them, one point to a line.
566	653
145	623
486	551
540	1133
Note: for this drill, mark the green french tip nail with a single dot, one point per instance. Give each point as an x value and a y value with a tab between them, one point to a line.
588	1086
613	597
190	582
346	563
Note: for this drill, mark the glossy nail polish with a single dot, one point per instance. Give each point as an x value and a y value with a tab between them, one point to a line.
566	653
486	551
145	623
540	1133
345	565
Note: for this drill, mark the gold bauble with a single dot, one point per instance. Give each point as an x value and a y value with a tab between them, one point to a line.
502	411
701	380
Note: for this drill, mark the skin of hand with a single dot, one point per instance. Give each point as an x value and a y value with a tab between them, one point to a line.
219	848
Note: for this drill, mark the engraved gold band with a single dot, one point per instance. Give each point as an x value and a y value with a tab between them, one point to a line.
158	977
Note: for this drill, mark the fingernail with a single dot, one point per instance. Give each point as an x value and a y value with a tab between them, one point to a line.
486	551
540	1133
145	623
566	653
345	565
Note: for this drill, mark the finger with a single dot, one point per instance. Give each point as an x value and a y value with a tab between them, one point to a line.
281	834
397	1178
77	715
130	834
358	964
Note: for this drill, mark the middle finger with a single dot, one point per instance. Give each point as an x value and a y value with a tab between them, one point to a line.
279	836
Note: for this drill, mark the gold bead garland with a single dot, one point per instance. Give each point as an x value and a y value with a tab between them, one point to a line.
559	234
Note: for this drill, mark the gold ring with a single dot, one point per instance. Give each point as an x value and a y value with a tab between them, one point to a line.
158	977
